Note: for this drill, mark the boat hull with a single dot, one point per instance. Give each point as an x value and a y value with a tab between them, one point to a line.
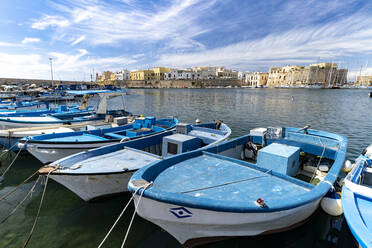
94	186
47	153
191	224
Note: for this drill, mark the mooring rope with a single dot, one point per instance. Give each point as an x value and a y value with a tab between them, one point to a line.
134	212
8	150
15	158
38	211
21	202
16	188
122	212
320	158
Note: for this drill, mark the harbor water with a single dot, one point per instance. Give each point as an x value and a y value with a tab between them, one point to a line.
67	221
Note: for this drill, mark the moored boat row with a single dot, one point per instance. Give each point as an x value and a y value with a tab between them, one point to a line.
192	181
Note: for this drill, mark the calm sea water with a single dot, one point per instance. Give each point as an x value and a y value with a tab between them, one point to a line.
67	221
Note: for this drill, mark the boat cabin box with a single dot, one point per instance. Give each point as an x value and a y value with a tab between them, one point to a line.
179	143
279	158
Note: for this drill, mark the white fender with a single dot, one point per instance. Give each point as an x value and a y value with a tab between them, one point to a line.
331	203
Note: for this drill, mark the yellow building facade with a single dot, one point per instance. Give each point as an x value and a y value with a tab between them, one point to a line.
106	78
159	72
364	81
142	75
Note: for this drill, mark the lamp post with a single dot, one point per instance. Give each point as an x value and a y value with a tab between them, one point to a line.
51	69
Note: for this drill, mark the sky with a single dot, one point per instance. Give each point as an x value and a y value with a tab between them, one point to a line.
83	37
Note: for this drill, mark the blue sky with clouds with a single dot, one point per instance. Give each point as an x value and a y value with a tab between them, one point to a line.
86	35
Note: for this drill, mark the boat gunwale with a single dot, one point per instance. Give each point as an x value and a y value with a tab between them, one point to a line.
95	152
72	134
217	205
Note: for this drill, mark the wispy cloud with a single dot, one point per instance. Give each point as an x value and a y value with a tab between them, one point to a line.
8	44
50	21
78	40
102	23
333	41
27	40
73	66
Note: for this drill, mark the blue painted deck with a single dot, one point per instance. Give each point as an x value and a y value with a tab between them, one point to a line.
211	171
207	179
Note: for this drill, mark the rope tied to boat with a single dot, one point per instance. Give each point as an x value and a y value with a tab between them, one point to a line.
38	210
8	150
144	187
7	169
23	200
19	186
320	159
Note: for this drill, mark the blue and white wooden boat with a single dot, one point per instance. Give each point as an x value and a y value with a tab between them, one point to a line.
51	147
106	170
9	122
20	105
356	199
268	181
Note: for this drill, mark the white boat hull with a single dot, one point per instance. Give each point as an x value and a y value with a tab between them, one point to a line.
90	187
204	224
48	153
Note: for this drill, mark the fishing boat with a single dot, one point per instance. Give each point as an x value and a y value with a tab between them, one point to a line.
51	147
106	171
10	122
270	180
356	199
20	105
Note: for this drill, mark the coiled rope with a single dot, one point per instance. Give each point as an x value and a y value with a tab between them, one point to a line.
144	187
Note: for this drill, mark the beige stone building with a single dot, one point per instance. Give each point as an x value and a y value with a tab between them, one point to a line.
364	81
322	74
256	79
222	72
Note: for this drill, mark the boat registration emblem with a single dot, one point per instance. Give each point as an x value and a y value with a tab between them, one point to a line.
180	212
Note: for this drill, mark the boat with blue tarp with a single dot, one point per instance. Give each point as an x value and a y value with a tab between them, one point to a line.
106	171
51	147
270	180
356	199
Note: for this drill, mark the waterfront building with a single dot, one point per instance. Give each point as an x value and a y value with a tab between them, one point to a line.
122	75
222	72
241	75
107	77
159	72
364	81
256	79
142	75
323	74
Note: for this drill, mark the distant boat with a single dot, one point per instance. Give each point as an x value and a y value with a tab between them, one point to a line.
370	94
51	147
9	122
356	199
106	170
268	181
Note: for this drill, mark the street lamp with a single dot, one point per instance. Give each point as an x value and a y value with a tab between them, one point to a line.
51	69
